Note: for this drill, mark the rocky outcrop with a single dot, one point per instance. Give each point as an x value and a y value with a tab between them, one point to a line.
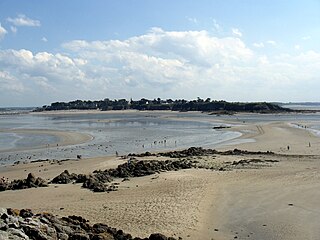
24	225
95	182
65	177
199	151
99	181
190	152
30	182
245	152
144	168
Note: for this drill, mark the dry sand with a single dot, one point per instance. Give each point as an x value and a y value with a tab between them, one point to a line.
276	202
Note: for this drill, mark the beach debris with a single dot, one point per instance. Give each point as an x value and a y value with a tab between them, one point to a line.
24	224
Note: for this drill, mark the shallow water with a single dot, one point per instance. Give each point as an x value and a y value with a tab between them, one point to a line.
127	132
112	132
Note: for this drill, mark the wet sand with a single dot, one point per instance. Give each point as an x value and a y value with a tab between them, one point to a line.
276	202
65	138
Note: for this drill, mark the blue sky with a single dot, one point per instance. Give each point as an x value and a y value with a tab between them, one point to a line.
229	49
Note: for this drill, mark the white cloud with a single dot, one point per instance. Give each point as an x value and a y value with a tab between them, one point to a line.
297	47
258	45
44	39
176	64
271	42
23	20
192	19
306	38
3	32
13	29
236	32
9	83
216	25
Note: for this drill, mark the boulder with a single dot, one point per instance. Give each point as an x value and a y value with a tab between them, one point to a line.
79	236
157	236
25	213
16	234
24	225
63	178
4	235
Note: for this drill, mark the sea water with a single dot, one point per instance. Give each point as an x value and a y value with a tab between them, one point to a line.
125	132
122	133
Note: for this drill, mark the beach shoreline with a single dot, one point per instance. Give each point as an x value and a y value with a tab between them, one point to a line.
65	138
274	202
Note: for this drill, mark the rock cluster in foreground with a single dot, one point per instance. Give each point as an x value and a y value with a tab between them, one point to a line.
24	225
100	181
96	182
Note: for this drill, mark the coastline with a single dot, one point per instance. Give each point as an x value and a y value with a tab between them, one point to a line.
197	203
65	138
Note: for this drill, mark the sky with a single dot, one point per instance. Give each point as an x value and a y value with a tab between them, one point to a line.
234	50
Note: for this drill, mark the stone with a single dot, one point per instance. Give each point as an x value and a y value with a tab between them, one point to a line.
24	225
79	236
102	236
2	211
63	236
4	235
26	213
17	233
157	236
63	178
35	232
31	178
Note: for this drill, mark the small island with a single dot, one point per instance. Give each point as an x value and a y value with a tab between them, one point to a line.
182	105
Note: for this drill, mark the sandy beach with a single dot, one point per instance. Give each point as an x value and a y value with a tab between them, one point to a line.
279	201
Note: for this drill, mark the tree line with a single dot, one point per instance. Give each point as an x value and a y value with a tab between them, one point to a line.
203	105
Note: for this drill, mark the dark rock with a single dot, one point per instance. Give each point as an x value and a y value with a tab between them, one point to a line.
26	213
3	186
102	236
95	185
157	236
63	178
4	215
13	212
148	167
34	232
192	151
23	224
31	178
100	228
79	236
30	182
